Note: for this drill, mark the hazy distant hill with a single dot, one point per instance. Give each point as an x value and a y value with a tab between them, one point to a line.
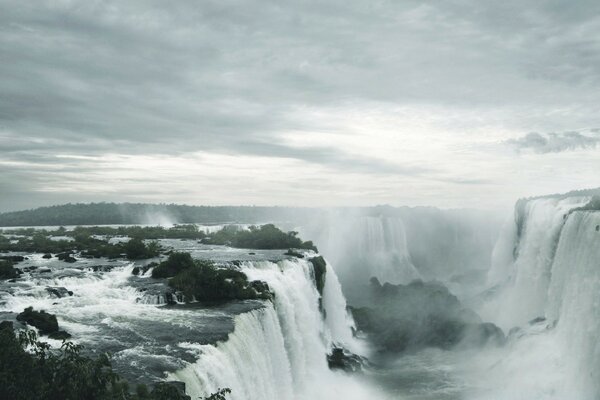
138	213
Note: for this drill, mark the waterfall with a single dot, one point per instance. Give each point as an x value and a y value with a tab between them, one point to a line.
253	362
523	263
574	301
552	270
279	351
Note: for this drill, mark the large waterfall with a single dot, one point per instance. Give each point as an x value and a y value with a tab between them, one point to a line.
550	269
574	301
278	352
523	258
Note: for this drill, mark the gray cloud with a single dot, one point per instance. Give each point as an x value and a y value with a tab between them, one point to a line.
554	142
143	77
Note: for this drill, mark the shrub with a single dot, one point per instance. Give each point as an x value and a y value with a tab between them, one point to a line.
136	249
205	282
265	237
176	263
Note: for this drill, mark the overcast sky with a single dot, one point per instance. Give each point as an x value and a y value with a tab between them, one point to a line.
447	103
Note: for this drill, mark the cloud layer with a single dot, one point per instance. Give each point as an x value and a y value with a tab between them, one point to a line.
355	103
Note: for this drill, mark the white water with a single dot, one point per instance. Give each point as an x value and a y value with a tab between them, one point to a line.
524	264
555	274
279	352
575	302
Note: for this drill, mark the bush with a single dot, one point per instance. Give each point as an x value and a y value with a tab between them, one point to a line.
176	263
136	249
266	237
205	282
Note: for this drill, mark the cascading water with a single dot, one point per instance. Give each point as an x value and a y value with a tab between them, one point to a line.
253	361
279	351
523	264
554	275
574	302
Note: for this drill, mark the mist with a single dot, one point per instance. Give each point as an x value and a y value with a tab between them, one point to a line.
305	200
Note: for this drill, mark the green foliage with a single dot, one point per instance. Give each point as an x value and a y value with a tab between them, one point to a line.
40	241
43	373
136	249
202	280
50	375
205	282
293	253
258	237
177	262
142	232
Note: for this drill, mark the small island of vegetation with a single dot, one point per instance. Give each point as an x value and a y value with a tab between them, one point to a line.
202	280
265	237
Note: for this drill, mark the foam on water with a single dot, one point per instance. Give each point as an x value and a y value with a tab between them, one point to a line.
555	275
279	351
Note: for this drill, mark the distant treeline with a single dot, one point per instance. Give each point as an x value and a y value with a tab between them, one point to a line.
139	213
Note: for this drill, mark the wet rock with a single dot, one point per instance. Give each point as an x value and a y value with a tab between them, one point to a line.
261	288
537	320
44	270
66	257
14	259
59	335
172	297
103	268
343	359
7	271
143	269
293	253
45	322
320	270
47	256
59	292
